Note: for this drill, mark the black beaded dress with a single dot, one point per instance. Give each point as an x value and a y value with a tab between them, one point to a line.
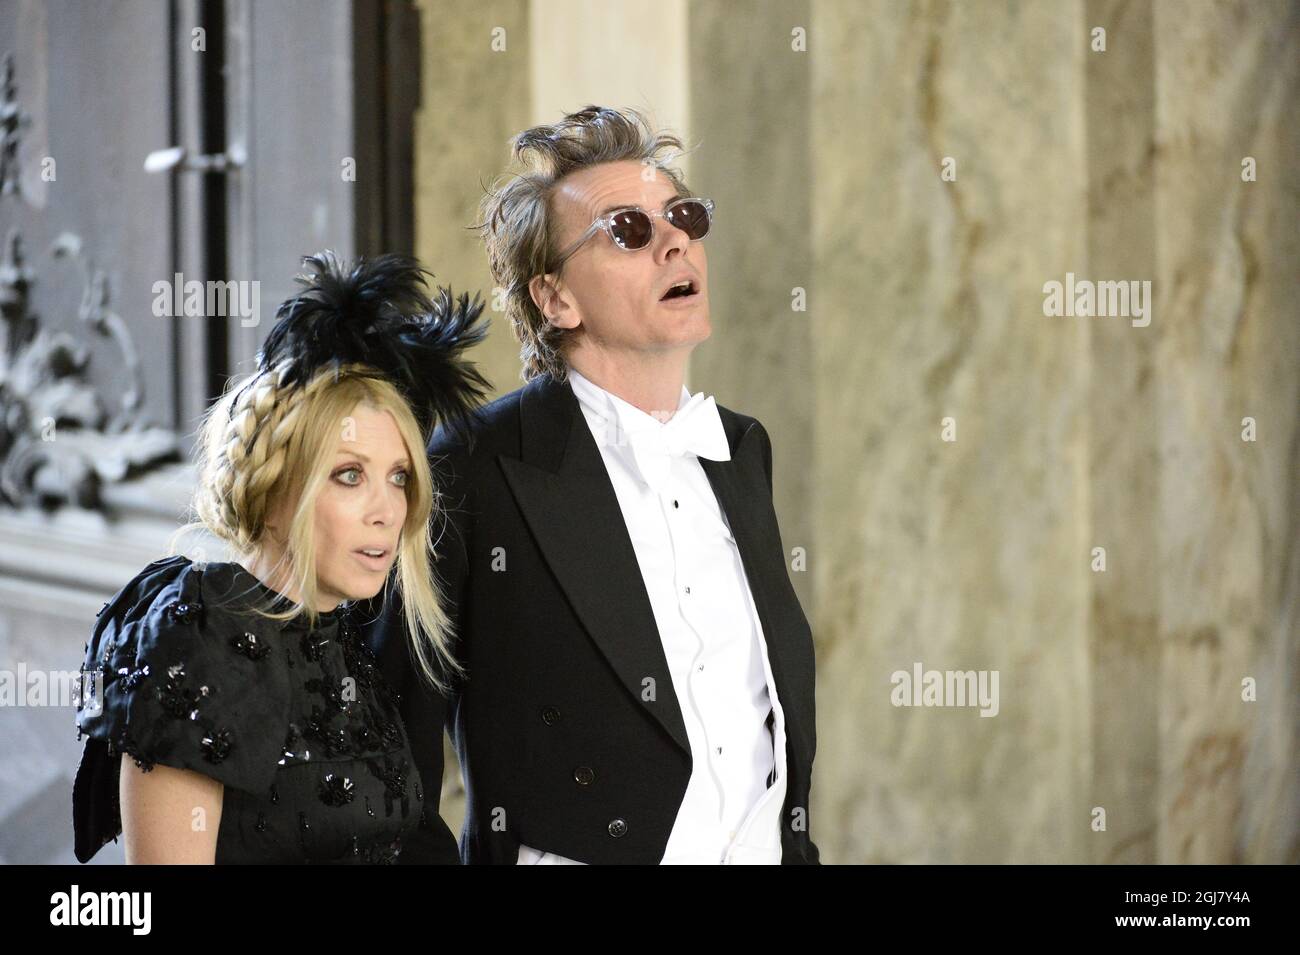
298	725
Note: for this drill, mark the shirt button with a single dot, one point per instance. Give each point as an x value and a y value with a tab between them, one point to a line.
688	590
584	775
675	504
618	828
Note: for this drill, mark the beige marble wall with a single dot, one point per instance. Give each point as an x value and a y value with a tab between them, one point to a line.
1228	267
967	554
1123	432
630	53
474	95
1120	691
752	125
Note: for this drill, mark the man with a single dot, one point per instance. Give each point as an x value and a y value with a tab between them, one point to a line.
640	673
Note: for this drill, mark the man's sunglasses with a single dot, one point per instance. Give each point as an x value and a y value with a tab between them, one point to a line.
631	228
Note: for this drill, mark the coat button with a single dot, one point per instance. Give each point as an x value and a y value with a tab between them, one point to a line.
584	775
550	715
618	828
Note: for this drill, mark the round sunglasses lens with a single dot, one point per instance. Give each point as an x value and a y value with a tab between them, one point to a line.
631	229
691	217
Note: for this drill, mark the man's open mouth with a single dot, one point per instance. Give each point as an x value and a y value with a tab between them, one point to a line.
683	289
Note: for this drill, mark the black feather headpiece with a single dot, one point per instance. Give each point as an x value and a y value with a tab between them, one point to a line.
377	313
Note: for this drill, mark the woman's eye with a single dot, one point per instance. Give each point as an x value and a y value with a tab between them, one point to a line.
342	474
404	476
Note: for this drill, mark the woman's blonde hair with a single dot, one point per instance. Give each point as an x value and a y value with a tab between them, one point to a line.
265	443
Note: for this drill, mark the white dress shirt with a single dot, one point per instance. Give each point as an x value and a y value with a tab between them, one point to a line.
708	623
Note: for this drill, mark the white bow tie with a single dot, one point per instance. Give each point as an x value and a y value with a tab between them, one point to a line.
695	428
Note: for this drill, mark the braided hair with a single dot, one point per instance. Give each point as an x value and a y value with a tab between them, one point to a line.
357	334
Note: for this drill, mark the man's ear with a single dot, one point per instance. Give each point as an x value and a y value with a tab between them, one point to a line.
551	302
541	291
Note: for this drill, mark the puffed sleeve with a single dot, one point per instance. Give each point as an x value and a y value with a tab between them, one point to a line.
172	677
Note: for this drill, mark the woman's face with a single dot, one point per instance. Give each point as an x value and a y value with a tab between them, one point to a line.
361	508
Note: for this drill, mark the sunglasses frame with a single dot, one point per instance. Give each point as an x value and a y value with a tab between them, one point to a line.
605	224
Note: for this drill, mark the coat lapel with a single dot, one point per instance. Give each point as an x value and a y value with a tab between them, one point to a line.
567	499
740	486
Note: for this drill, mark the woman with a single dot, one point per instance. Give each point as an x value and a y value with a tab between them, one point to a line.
259	726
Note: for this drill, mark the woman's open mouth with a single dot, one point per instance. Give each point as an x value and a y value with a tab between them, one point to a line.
373	558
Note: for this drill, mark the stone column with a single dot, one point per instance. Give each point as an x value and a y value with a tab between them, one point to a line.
475	95
968	553
1227	79
754	161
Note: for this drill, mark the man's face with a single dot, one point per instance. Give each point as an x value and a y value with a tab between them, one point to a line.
617	297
